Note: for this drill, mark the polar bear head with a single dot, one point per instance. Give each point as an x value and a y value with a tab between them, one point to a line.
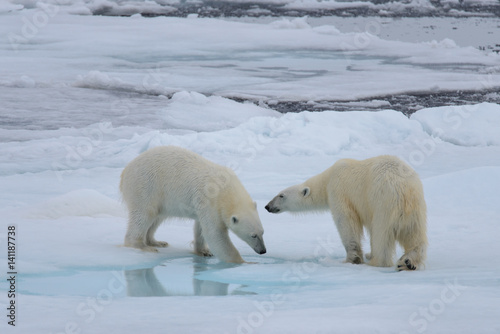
247	226
294	199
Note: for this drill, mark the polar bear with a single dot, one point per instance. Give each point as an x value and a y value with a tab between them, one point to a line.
382	194
170	181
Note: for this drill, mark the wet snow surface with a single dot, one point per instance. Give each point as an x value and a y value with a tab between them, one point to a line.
86	86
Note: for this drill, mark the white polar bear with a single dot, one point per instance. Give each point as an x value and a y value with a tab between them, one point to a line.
170	181
382	194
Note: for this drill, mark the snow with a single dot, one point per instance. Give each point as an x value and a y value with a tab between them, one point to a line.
81	202
79	101
185	109
477	125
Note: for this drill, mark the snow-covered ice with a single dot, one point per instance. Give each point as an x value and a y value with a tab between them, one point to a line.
84	95
73	272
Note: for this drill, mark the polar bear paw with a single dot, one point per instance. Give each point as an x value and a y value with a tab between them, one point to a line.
354	258
405	264
149	249
156	243
204	252
354	253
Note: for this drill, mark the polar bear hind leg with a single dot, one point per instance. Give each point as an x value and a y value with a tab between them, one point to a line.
383	245
138	226
382	240
350	231
413	238
200	246
150	240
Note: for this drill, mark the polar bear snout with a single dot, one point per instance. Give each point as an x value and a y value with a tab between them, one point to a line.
257	244
260	249
271	208
279	202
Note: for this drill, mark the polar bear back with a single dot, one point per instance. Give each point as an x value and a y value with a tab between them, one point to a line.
188	181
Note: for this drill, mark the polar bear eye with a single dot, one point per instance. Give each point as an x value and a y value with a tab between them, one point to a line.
254	236
281	195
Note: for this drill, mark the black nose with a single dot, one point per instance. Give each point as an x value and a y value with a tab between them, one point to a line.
263	251
267	208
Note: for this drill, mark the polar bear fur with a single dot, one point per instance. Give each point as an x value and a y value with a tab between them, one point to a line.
170	181
382	194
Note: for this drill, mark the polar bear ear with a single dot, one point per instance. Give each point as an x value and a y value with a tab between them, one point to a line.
234	220
255	204
306	191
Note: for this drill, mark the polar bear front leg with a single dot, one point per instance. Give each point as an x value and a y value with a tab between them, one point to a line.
200	246
217	238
